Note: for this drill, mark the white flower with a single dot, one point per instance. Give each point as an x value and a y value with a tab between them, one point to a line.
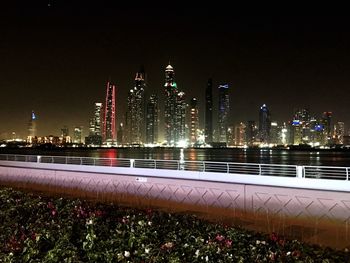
147	250
89	222
258	242
149	223
263	242
197	253
140	223
288	253
186	245
206	258
126	254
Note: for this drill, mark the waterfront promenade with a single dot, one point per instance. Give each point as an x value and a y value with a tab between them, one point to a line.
311	203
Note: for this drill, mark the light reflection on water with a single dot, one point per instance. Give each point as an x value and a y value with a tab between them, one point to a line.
274	156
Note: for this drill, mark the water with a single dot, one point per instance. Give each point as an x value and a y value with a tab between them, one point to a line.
272	156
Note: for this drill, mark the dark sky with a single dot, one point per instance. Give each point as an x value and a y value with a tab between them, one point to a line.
56	60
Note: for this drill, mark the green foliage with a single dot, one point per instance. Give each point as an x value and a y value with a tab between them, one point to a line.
41	229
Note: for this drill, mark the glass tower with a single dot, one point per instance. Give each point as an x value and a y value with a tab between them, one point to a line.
209	112
224	108
109	114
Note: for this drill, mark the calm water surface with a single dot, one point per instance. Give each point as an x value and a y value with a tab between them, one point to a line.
274	156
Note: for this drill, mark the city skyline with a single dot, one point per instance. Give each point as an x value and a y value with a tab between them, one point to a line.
60	59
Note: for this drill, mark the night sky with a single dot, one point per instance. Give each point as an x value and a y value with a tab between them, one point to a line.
56	60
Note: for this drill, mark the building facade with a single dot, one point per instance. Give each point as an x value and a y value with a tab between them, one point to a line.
136	109
109	114
152	120
209	112
194	121
223	112
264	124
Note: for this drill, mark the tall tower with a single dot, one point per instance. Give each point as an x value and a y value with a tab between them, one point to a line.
224	108
32	128
136	109
327	124
152	120
95	135
251	131
209	112
170	111
264	124
194	125
109	114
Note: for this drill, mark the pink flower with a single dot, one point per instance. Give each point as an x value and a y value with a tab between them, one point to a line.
228	243
296	253
274	237
53	212
219	238
50	205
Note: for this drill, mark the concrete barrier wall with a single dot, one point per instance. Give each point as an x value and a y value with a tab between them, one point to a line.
189	187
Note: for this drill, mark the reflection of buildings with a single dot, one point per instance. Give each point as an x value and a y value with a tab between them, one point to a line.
136	109
224	109
152	120
32	132
194	122
209	112
109	115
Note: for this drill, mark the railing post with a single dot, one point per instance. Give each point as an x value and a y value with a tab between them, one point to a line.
155	164
203	166
299	170
228	168
347	174
38	159
132	163
94	161
260	169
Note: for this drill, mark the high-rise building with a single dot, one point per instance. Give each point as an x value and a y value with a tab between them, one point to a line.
109	114
339	132
326	120
152	120
194	125
65	138
275	132
240	132
171	121
209	112
251	133
120	134
78	130
32	128
224	109
136	109
95	136
181	126
264	124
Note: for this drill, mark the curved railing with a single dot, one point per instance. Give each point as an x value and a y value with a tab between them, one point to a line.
311	172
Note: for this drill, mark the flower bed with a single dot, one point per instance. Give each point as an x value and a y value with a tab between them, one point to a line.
34	228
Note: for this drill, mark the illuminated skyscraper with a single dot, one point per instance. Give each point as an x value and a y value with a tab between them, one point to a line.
339	132
264	124
240	139
209	112
32	128
170	111
95	136
194	125
180	133
152	120
224	109
251	132
327	124
136	109
109	114
77	134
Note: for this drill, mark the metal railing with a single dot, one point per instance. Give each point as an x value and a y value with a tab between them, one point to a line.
310	172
